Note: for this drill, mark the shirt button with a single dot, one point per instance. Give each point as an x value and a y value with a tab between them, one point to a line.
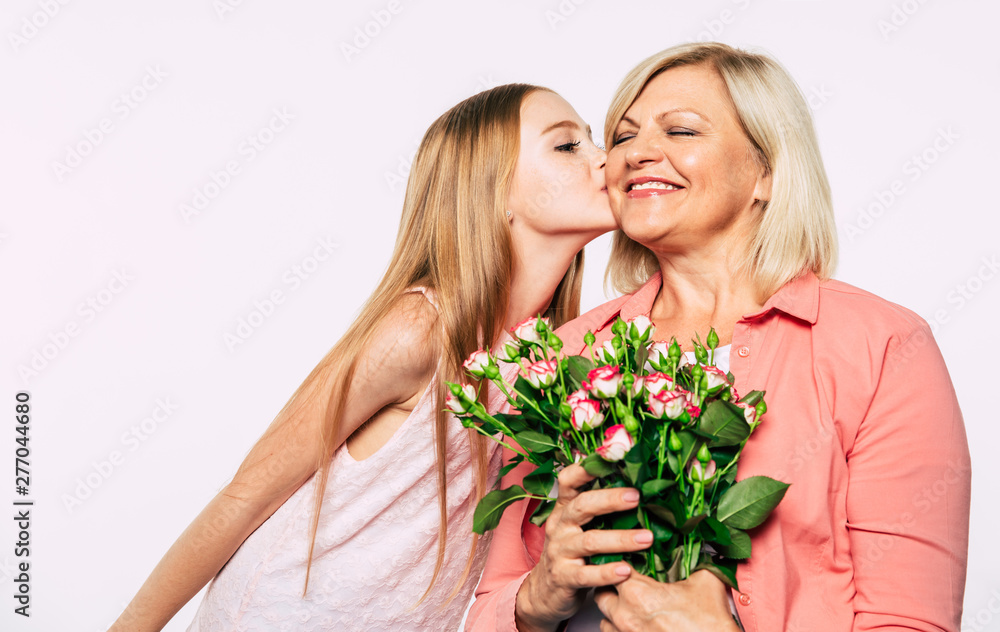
744	599
743	352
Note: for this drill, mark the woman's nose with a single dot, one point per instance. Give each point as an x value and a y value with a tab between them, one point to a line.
642	151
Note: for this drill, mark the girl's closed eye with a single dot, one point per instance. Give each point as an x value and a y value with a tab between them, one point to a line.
568	147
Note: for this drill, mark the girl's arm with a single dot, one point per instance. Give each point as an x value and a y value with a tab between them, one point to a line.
395	368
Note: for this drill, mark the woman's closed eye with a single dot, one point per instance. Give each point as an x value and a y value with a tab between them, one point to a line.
681	132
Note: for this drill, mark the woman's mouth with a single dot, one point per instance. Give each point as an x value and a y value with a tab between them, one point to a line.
647	186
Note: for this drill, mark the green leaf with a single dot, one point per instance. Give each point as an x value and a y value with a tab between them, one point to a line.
625	520
507	468
661	532
655	486
579	367
716	532
752	398
535	441
540	481
692	522
724	423
491	507
662	513
605	559
740	547
748	503
597	466
542	512
725	573
633	462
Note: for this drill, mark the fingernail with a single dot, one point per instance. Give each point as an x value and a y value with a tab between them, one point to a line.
644	537
623	570
631	495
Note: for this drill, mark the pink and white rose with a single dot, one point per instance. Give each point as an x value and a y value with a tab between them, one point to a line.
477	363
606	352
604	381
463	403
587	413
541	374
656	382
717	378
525	330
749	412
668	404
658	353
703	472
617	443
640	328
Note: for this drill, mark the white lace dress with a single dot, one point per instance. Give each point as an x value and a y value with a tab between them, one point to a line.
375	547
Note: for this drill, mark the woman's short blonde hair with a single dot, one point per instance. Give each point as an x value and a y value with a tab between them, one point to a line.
796	230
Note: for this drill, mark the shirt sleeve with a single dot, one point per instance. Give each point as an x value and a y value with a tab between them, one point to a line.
908	495
507	565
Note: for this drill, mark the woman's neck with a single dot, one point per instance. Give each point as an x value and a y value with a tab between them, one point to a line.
539	266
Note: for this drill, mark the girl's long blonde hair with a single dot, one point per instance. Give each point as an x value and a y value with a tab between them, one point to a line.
454	238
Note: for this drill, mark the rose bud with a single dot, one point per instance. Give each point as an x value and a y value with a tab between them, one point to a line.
587	414
749	412
606	353
589	338
656	382
461	402
541	374
669	404
603	382
703	472
640	329
658	355
638	386
617	443
526	330
510	352
717	379
477	363
713	339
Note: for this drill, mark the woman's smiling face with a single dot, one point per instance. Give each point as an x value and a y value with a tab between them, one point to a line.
681	173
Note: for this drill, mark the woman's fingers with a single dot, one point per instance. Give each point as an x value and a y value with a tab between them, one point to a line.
585	506
570	480
600	542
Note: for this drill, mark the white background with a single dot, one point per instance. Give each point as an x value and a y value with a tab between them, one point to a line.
886	80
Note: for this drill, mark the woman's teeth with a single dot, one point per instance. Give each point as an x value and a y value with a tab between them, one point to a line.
653	185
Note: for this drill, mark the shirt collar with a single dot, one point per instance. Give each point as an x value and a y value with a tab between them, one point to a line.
799	298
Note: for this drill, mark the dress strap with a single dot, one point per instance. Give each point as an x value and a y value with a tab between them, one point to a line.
428	293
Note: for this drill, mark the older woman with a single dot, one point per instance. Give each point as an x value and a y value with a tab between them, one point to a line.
716	182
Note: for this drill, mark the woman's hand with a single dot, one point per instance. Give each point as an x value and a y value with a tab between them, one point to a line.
557	585
641	603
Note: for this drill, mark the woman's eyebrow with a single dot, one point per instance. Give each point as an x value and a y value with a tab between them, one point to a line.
561	124
663	115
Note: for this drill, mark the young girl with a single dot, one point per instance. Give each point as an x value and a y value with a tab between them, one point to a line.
353	511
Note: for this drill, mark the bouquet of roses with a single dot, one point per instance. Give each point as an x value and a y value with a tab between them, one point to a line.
635	413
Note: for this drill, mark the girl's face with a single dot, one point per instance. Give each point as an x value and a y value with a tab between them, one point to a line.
681	172
558	186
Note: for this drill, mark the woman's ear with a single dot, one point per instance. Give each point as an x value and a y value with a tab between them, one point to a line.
762	191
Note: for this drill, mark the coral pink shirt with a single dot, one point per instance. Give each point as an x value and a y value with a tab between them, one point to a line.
863	422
